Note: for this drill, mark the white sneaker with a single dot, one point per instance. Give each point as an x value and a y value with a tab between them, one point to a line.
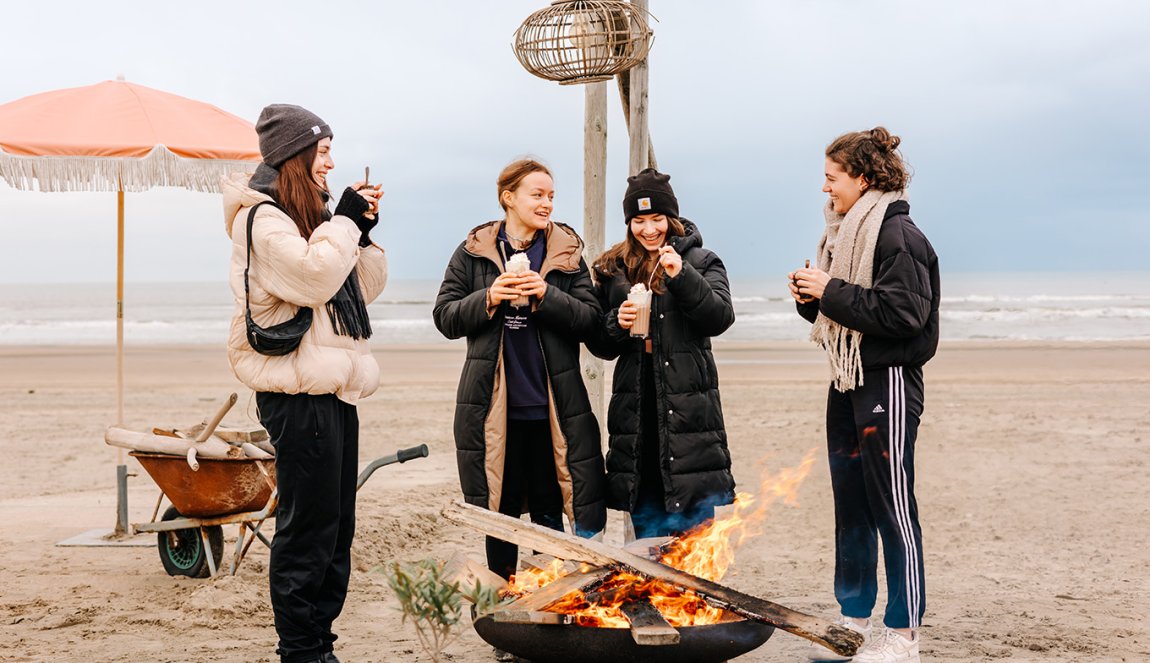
817	652
889	647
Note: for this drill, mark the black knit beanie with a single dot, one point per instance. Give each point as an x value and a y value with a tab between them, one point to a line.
286	130
649	192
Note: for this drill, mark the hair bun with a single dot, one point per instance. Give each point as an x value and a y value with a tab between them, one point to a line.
886	141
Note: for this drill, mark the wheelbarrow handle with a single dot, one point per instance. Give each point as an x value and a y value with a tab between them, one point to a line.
401	456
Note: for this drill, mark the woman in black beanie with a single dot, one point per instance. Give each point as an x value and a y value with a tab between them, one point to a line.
293	260
668	463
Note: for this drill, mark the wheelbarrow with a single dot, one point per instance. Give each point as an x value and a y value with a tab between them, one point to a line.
223	491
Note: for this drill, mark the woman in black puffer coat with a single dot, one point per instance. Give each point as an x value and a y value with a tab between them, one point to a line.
668	463
525	435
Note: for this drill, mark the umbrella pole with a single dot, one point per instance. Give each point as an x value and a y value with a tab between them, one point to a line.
121	468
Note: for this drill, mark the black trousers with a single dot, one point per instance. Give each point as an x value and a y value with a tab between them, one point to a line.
528	477
871	432
317	453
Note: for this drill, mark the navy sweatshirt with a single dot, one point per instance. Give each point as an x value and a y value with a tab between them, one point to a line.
522	355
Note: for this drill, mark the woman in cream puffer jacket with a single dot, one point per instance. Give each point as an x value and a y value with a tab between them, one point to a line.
302	255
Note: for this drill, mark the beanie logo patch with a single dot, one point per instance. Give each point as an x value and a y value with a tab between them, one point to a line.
315	130
644	203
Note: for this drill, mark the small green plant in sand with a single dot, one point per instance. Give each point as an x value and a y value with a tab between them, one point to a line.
433	604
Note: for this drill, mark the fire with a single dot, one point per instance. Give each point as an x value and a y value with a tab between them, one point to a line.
706	551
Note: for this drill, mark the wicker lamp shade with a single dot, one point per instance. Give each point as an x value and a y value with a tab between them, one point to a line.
583	41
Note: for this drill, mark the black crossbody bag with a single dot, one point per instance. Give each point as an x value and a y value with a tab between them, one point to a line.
279	339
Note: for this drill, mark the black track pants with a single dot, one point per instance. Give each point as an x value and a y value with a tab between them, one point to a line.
528	475
317	454
871	432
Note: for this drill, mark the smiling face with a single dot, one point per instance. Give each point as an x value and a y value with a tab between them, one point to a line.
322	163
844	190
650	230
531	202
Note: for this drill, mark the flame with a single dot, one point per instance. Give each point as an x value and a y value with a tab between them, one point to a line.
706	551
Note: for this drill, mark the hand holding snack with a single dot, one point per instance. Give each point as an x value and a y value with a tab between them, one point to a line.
504	289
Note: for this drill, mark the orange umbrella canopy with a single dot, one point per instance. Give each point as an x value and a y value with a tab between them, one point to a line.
119	136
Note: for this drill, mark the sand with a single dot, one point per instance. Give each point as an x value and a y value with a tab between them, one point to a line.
1031	471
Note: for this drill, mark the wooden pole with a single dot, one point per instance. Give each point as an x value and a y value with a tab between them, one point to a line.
594	224
121	528
624	81
120	312
640	138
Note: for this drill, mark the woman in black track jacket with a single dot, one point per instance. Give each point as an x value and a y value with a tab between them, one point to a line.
873	301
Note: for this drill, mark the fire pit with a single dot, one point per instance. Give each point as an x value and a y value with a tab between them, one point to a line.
597	603
544	643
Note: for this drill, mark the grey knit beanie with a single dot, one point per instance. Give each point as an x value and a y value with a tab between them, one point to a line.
286	130
649	192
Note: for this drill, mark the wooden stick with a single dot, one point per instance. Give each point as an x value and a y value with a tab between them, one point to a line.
837	638
210	424
523	611
648	627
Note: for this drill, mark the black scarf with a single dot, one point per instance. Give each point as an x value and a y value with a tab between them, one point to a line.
347	310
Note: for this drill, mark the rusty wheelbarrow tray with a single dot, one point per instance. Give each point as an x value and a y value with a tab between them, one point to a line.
224	491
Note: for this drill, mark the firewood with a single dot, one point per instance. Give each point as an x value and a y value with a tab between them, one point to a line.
252	451
839	639
162	444
648	627
467	572
545	562
522	611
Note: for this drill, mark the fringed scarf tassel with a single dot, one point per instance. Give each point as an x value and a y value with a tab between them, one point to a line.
347	310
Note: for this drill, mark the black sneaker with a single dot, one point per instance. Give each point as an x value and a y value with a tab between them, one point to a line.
501	655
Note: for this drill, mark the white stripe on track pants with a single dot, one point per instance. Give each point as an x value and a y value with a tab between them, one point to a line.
871	433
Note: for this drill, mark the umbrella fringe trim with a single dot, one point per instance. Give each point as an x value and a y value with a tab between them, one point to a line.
131	174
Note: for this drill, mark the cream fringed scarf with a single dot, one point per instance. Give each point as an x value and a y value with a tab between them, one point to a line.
846	251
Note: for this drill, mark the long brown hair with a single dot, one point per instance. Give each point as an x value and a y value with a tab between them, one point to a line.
513	173
630	258
299	194
874	155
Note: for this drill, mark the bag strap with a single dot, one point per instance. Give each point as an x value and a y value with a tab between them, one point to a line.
251	220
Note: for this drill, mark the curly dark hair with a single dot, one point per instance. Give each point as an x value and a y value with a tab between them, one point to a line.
874	155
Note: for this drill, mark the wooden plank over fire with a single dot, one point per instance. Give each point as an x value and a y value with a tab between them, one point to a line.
545	562
837	638
648	627
531	609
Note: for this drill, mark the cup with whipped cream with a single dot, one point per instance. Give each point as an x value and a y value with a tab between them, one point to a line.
518	265
640	296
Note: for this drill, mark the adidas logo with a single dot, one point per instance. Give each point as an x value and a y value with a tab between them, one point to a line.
878	409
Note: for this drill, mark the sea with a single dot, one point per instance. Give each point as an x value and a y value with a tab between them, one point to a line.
1113	306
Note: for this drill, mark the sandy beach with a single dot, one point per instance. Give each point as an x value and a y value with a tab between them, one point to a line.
1031	461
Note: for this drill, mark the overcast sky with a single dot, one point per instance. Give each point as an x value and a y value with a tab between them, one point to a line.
1025	122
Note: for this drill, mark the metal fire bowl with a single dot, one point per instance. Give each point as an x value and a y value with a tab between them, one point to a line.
547	643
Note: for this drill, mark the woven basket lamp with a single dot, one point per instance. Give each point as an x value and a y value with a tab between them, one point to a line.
583	41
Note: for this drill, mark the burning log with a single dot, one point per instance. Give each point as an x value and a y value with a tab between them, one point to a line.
531	609
648	627
565	546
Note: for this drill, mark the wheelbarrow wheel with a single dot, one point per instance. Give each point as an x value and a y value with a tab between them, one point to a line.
182	550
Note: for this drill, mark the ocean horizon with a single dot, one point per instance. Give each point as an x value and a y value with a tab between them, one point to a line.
1027	306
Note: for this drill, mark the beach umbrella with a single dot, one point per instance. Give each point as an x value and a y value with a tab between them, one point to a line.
122	137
